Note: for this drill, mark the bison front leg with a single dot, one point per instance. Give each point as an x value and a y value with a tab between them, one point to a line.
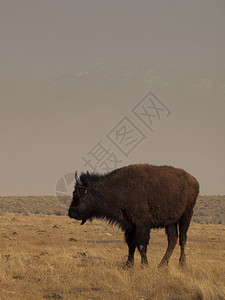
129	238
130	260
143	249
137	237
142	235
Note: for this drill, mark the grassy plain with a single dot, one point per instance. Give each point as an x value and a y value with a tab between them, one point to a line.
53	257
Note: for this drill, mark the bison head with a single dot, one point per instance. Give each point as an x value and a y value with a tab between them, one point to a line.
80	208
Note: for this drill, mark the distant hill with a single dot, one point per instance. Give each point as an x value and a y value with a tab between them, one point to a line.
208	209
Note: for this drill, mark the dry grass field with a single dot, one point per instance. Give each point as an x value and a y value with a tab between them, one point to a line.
53	257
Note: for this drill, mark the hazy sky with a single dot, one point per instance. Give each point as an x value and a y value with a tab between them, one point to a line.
70	71
42	38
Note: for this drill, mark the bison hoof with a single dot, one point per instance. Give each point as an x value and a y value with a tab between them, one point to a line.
182	262
129	264
163	264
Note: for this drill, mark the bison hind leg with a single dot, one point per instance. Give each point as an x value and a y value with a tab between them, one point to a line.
172	236
184	223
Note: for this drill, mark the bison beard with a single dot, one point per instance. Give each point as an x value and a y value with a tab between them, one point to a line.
139	198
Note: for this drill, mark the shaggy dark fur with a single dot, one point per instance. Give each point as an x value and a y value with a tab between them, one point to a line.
138	198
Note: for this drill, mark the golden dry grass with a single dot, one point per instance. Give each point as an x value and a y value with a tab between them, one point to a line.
53	257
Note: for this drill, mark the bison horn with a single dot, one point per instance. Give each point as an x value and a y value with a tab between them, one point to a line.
77	179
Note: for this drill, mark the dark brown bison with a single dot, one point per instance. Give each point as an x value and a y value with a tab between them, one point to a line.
138	198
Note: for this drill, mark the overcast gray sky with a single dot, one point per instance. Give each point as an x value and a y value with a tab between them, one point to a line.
47	37
70	71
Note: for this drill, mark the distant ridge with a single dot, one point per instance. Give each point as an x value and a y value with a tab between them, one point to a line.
208	209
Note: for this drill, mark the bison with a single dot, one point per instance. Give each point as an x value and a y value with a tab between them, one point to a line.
138	198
